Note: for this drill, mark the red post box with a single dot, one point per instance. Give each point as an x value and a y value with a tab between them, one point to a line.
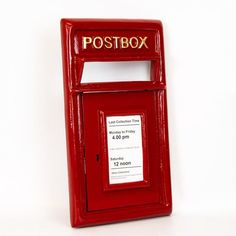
117	134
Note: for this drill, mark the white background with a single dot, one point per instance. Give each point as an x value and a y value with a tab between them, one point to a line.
200	39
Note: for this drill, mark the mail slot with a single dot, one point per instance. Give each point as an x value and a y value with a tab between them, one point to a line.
117	132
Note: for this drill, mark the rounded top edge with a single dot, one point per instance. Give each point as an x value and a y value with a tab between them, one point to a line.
111	22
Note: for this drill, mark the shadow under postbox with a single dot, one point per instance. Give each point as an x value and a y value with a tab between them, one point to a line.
117	134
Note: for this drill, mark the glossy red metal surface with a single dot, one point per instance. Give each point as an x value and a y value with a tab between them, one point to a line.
93	200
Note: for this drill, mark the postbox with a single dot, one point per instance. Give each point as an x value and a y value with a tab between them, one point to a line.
117	132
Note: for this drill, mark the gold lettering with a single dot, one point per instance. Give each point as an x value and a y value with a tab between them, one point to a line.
100	44
86	40
116	41
143	42
135	44
124	42
108	43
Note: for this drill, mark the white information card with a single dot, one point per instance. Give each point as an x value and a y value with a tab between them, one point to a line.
125	150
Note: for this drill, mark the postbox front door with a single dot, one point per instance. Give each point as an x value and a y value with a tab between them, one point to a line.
117	137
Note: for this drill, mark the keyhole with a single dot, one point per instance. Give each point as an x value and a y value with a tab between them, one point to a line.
97	157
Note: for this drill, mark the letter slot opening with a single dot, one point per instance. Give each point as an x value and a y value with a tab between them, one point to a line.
121	71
